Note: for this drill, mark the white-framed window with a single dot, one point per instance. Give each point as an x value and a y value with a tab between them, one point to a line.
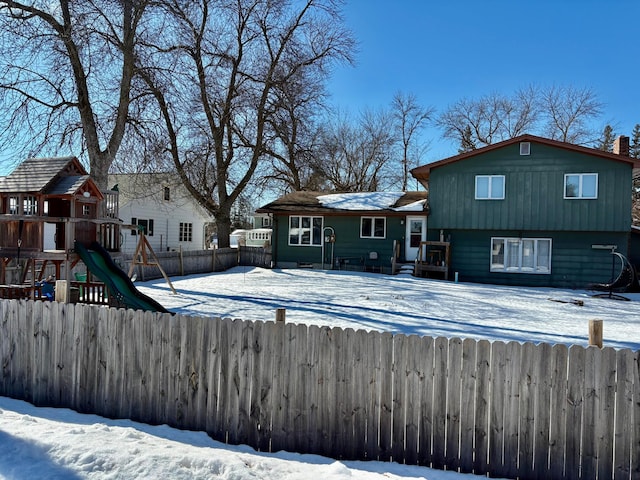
185	234
373	227
521	255
86	210
305	231
489	187
166	193
146	224
525	148
581	185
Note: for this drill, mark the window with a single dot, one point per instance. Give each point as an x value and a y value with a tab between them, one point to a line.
525	148
13	205
373	227
30	205
581	185
86	210
489	187
146	226
521	255
167	193
186	232
305	231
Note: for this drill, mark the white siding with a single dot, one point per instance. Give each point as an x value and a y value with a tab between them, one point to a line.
166	215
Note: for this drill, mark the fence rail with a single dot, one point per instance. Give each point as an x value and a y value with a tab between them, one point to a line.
503	409
187	262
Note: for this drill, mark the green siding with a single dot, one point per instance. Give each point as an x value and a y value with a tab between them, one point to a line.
534	190
349	247
574	264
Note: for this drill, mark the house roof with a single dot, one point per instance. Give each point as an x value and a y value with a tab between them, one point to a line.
45	175
391	203
422	172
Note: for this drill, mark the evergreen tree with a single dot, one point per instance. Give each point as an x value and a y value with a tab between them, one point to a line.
634	147
466	141
606	141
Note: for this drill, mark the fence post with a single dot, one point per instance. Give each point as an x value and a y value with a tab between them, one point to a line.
595	333
281	313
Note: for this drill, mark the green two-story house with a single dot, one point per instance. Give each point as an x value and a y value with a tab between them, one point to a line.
532	211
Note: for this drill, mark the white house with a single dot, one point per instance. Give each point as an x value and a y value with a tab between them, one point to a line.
160	205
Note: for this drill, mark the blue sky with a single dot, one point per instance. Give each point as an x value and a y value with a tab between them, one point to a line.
446	50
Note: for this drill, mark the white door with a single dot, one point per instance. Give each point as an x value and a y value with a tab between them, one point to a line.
416	233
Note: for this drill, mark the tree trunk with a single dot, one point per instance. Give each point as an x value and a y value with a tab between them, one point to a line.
223	224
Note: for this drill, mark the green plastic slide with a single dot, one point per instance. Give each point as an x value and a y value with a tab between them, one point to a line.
100	264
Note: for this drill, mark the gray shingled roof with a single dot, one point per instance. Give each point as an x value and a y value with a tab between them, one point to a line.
35	175
66	185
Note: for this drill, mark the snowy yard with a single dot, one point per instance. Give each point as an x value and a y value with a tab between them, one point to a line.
403	304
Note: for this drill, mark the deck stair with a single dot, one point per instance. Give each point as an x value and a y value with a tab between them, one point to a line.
405	268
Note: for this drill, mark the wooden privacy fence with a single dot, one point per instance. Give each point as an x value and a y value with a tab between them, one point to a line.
504	409
189	262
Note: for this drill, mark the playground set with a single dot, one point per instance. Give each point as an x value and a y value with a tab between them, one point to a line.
53	219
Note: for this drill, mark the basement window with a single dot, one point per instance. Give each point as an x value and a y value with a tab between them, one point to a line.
521	255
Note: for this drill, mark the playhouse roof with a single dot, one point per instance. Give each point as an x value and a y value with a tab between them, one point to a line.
51	176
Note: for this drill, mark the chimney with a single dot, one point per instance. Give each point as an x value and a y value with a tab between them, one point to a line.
621	146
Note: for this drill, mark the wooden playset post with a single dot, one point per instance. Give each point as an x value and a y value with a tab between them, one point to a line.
141	253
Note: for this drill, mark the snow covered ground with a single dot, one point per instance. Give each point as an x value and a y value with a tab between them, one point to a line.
44	443
60	444
403	304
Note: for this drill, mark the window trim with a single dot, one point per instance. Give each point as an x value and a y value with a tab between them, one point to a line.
185	232
580	195
489	192
373	227
146	223
312	239
505	268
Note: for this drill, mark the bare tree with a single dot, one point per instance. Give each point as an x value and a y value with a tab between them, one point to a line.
567	112
228	63
491	118
560	113
409	118
295	124
67	71
357	156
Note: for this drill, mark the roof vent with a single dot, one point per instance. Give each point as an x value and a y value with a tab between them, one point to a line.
525	148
